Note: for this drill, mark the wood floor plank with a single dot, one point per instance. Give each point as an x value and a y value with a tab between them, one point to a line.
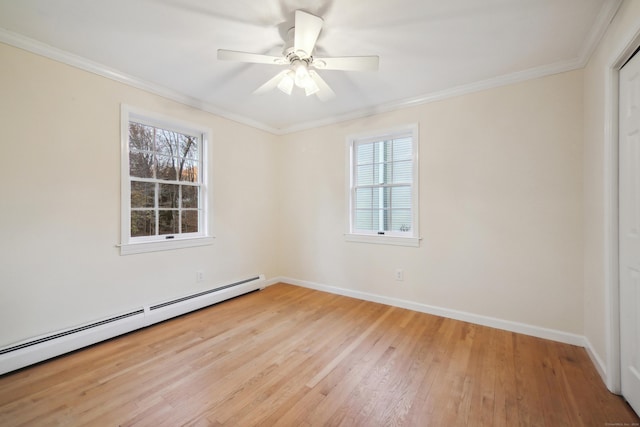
342	382
294	356
481	373
344	353
370	363
506	397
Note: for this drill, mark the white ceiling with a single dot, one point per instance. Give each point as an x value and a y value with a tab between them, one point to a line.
428	48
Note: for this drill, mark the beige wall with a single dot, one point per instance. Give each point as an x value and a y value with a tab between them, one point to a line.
60	209
501	204
500	199
596	169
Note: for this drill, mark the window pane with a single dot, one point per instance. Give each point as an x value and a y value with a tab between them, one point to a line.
167	168
401	197
382	151
143	223
364	220
141	165
385	173
364	175
382	192
372	220
190	221
142	194
188	146
140	137
189	196
385	220
166	142
188	170
381	198
402	149
402	172
364	154
168	222
364	198
382	173
401	220
168	197
165	174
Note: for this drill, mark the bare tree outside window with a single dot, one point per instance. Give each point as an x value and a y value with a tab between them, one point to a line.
164	169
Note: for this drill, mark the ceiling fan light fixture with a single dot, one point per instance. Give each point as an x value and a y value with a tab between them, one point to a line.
302	77
311	87
286	83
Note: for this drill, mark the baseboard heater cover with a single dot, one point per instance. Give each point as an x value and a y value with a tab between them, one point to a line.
34	350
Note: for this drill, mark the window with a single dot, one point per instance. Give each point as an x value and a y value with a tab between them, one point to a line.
383	187
164	193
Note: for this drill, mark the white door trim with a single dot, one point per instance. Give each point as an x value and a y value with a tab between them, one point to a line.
612	284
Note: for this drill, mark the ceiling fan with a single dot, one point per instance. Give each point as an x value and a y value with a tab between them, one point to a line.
298	55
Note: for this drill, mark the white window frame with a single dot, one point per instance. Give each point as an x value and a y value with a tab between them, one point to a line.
132	245
411	238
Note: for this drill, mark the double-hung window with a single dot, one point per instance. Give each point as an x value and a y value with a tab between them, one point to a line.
383	187
164	191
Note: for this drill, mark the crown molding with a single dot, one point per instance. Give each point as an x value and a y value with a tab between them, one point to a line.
605	16
599	28
59	55
465	89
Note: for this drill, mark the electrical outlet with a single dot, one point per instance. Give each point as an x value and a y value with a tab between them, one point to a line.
199	276
399	274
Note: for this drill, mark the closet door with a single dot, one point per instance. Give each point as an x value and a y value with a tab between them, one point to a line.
629	163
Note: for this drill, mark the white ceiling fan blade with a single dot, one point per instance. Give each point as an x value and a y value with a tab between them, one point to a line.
348	63
233	55
271	84
307	30
324	92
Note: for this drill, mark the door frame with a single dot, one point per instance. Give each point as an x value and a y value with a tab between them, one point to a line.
621	55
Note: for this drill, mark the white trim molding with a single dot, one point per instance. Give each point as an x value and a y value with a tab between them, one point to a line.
621	54
169	245
596	360
605	16
390	237
156	242
64	57
492	322
601	23
36	349
413	242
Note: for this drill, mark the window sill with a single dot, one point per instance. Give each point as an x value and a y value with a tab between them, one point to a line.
138	248
383	240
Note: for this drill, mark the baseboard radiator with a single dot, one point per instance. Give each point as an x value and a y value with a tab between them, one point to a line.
34	350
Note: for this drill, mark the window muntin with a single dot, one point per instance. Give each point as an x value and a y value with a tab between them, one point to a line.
164	182
383	184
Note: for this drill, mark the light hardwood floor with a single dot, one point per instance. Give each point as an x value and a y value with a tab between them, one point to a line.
291	356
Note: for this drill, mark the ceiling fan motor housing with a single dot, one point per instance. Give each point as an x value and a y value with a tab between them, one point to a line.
289	50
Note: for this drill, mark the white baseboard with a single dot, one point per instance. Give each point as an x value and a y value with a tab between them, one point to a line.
272	281
37	349
507	325
596	360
